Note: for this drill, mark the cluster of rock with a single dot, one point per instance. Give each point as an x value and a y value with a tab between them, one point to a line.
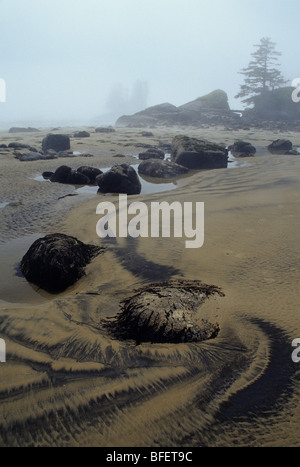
84	175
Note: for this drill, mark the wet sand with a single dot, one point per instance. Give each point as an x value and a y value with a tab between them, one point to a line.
67	382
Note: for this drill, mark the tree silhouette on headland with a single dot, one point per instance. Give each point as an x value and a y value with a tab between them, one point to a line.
262	73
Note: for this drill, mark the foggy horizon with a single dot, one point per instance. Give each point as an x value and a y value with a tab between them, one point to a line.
89	62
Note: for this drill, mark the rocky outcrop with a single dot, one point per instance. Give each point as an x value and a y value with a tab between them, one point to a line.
166	312
57	261
161	169
56	142
242	149
198	154
212	108
119	179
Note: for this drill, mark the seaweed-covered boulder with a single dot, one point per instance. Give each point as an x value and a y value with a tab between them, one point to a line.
280	146
166	312
242	149
90	172
65	174
56	142
119	179
161	169
198	154
57	261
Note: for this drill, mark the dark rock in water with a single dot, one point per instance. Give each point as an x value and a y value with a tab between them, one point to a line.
242	149
57	261
65	174
23	130
108	129
47	175
166	312
82	134
32	156
56	142
161	169
280	145
152	154
90	172
119	179
198	154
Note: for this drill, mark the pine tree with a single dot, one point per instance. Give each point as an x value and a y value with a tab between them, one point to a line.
262	73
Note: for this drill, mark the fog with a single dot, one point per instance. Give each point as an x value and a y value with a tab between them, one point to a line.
87	62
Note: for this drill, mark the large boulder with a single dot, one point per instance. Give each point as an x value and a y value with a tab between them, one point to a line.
242	149
161	169
65	174
280	146
165	312
198	154
56	142
119	179
57	261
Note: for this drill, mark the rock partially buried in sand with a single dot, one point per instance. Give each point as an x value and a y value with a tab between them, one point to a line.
198	154
82	134
119	179
166	312
57	261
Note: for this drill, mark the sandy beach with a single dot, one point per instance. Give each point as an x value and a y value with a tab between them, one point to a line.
67	382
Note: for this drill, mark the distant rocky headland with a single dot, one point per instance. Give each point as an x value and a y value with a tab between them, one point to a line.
276	110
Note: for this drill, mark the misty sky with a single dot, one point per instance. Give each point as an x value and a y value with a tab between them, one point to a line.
79	60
